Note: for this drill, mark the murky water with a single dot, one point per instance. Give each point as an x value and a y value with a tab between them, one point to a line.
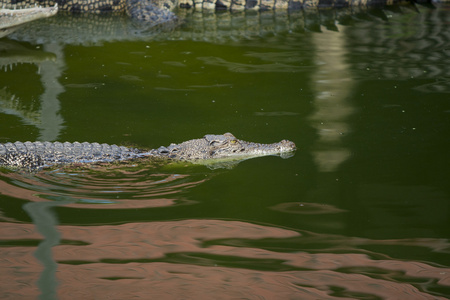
360	212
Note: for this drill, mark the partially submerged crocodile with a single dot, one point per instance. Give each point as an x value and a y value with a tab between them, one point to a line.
161	11
151	11
155	12
15	17
10	19
207	150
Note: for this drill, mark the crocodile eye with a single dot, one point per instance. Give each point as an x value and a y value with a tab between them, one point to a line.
233	142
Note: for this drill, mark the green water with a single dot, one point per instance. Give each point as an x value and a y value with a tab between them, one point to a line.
360	212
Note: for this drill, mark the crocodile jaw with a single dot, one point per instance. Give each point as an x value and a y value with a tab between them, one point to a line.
249	149
217	149
14	17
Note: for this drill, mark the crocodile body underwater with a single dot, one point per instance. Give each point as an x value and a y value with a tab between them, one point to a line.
161	11
207	150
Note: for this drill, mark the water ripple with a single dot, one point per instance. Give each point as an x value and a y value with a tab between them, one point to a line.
250	68
124	187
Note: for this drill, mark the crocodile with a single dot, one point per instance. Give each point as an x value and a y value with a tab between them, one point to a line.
155	12
14	17
212	150
10	19
150	11
161	11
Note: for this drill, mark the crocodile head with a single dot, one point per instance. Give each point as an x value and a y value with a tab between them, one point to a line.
11	18
223	150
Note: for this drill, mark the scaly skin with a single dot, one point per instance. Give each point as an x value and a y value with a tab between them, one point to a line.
14	17
153	11
207	150
159	11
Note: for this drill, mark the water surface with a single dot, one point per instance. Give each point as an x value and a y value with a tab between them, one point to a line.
360	212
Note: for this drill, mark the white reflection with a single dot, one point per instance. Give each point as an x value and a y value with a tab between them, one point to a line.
332	83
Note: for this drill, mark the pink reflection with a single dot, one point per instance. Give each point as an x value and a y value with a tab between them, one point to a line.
170	281
135	249
19	272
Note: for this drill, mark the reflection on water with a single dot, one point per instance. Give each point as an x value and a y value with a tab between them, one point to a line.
115	187
45	116
206	257
46	221
191	257
409	50
249	68
51	122
323	225
333	84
